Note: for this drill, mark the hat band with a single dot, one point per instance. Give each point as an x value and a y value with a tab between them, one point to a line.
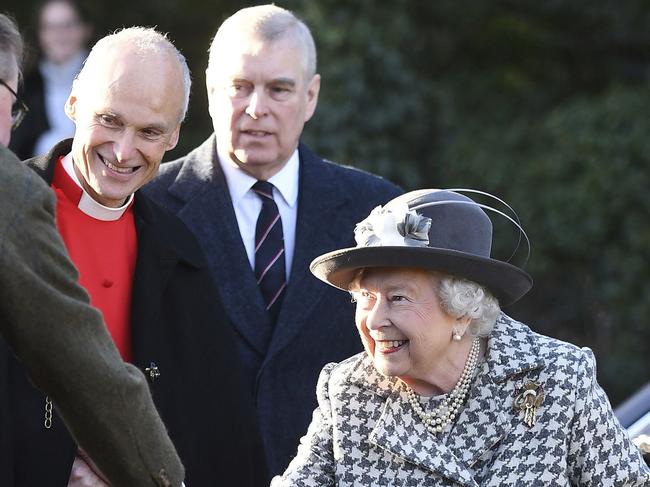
399	225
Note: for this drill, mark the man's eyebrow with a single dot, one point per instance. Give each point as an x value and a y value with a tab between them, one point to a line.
156	126
110	113
283	81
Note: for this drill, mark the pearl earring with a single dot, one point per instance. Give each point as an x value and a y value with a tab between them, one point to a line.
456	336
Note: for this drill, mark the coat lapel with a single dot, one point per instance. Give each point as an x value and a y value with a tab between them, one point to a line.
155	264
401	433
321	217
209	213
488	416
44	165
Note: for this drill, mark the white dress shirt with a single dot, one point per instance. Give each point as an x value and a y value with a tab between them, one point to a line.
247	203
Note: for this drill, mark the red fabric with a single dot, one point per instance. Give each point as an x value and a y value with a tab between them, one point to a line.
105	254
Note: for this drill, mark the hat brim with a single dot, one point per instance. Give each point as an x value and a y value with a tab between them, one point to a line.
505	281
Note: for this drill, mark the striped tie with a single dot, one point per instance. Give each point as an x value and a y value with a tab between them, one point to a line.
269	250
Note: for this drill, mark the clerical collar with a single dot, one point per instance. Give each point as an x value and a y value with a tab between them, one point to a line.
87	204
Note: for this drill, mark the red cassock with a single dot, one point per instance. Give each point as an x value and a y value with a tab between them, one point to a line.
105	254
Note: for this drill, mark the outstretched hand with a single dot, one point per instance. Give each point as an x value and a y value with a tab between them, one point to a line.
85	473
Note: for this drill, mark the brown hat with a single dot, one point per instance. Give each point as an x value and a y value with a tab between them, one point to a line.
438	230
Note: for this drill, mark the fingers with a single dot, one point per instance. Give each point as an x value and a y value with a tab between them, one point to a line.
82	475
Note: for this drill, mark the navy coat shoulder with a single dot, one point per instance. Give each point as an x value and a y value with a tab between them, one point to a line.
315	324
181	331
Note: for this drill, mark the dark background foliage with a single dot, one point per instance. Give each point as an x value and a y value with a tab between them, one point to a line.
544	104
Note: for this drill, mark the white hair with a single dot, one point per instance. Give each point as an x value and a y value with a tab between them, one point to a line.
144	41
464	298
268	23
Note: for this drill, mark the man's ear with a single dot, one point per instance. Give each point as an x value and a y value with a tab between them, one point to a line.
71	106
209	85
173	138
313	88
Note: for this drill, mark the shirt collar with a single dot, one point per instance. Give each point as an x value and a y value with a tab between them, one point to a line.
87	204
239	182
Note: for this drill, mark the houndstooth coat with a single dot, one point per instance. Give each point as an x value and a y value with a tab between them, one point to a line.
364	432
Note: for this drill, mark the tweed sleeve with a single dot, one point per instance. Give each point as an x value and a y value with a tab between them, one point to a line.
600	451
314	464
62	341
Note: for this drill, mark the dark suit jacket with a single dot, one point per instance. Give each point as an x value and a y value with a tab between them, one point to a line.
315	324
65	348
178	326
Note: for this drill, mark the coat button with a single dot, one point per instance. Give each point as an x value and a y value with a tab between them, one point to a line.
152	371
163	478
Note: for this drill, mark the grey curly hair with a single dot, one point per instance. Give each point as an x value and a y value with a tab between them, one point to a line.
461	297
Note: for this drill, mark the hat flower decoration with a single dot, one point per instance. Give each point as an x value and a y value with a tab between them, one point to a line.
393	227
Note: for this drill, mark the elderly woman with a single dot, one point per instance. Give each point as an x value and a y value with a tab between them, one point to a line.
451	391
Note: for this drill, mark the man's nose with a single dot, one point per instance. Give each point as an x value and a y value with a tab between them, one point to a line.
257	106
124	146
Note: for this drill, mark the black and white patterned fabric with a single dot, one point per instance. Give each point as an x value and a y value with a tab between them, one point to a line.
365	433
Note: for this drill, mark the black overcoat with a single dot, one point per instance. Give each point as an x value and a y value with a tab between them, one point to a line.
316	322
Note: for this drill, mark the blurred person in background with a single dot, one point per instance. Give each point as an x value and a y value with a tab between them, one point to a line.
60	340
63	32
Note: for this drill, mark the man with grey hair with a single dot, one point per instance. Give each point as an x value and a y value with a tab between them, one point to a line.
143	270
60	340
262	206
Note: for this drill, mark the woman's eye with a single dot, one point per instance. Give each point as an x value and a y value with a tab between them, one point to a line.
362	298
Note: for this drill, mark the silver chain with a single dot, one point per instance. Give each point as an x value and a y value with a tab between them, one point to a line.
48	413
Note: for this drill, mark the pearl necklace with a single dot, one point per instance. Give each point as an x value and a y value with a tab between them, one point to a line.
445	413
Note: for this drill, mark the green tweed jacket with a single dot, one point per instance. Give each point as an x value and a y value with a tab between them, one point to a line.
45	318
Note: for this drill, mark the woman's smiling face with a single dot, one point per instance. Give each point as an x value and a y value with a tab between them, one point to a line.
401	323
